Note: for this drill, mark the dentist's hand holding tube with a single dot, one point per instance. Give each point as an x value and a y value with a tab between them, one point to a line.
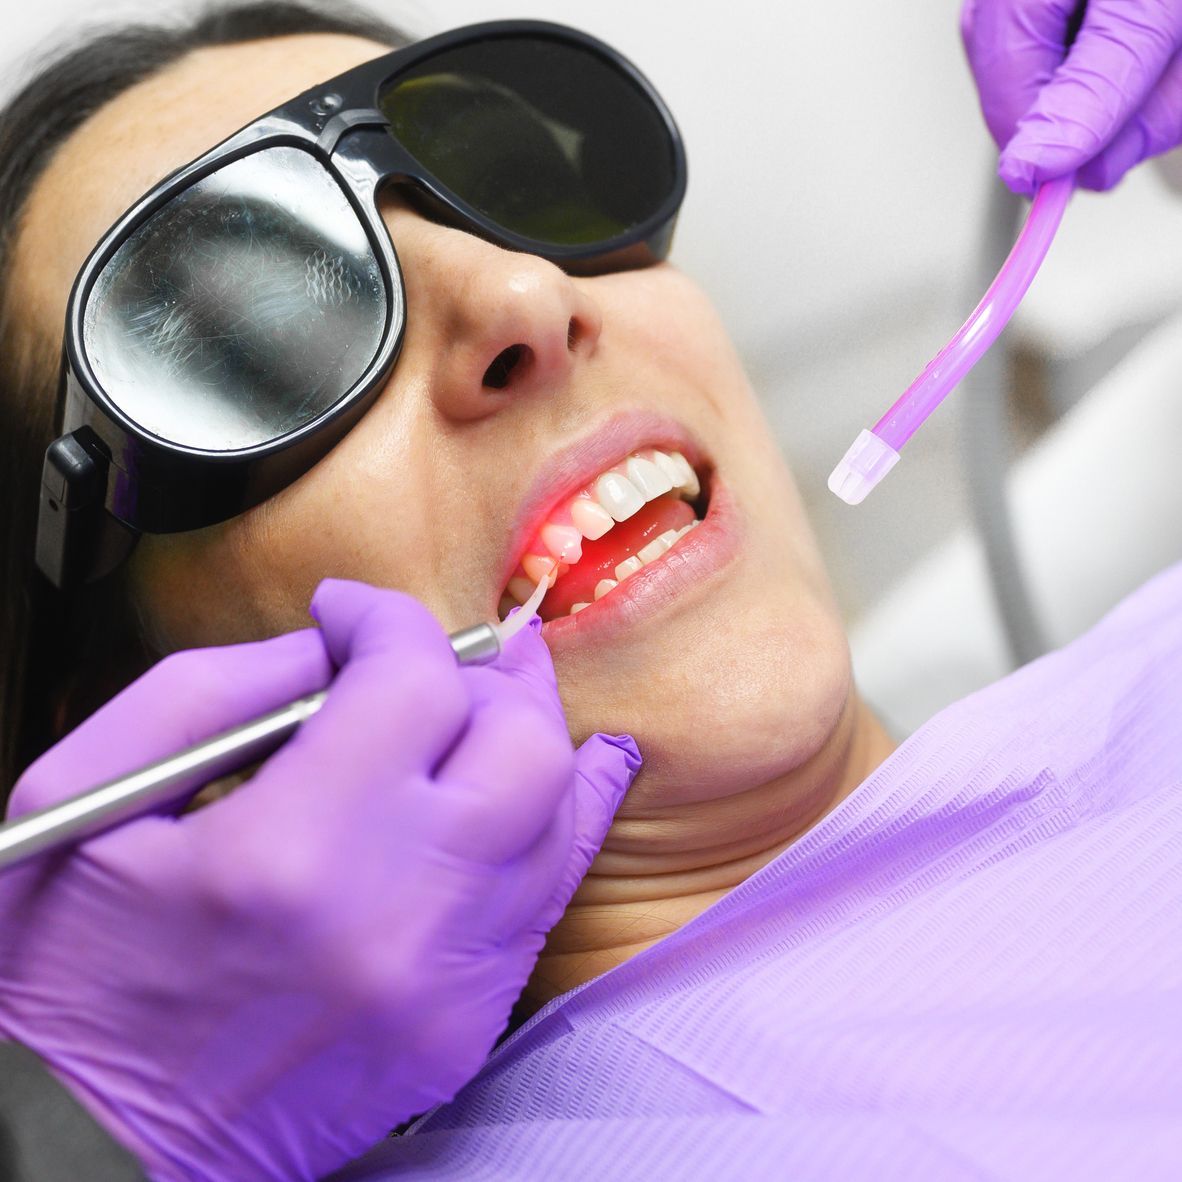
1068	87
263	988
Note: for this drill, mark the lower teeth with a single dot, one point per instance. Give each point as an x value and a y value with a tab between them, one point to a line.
648	553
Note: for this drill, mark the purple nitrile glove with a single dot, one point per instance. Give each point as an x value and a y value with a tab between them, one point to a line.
1112	99
263	988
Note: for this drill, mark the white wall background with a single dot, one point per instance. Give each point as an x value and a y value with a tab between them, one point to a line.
839	168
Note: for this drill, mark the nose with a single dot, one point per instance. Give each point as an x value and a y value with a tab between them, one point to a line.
491	326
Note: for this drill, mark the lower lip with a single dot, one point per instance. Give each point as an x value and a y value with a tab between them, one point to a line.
677	577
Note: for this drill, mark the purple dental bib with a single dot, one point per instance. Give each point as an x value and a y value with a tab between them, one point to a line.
971	969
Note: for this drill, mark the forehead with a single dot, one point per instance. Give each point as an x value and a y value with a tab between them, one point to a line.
142	135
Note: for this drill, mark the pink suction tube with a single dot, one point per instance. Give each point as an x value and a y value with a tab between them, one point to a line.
874	453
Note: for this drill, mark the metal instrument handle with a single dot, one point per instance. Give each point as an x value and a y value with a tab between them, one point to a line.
168	779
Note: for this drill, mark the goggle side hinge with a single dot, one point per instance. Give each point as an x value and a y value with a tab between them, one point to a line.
73	489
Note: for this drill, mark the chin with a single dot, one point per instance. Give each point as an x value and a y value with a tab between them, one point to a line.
736	689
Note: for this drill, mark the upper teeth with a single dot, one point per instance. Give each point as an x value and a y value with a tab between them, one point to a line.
618	495
615	495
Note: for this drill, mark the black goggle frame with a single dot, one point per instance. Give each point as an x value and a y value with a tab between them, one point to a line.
106	480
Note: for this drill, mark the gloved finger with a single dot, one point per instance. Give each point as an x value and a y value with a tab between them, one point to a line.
186	697
1155	128
1013	48
527	895
1116	60
526	660
358	620
394	709
605	767
498	789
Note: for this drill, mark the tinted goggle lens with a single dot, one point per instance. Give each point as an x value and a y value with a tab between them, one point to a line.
546	138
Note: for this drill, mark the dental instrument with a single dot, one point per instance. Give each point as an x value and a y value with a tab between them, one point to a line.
876	451
162	782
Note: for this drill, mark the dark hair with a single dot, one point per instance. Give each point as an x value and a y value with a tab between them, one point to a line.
57	648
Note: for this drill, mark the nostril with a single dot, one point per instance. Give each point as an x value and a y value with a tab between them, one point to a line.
497	376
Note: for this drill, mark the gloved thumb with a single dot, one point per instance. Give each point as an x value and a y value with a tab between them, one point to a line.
605	767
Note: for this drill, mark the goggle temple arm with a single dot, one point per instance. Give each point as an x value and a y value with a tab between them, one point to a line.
77	539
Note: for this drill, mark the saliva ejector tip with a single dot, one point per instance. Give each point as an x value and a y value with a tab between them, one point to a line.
868	460
876	452
509	628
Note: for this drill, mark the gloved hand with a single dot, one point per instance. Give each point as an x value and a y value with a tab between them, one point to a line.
1111	100
263	988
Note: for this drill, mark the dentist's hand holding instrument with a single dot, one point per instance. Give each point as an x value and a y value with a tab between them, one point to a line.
262	988
1074	93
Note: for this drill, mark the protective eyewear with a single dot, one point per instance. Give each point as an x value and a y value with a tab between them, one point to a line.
238	320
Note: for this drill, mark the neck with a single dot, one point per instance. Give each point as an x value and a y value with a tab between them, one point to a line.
658	871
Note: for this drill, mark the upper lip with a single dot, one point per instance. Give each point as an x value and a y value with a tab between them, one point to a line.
576	465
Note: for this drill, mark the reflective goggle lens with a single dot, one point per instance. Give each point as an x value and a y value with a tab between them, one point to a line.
240	311
546	138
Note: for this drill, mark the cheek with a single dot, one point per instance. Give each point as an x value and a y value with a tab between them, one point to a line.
677	329
228	584
670	320
352	516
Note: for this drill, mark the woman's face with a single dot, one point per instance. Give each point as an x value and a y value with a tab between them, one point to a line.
725	658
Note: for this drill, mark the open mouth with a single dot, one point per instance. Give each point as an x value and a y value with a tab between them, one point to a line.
628	517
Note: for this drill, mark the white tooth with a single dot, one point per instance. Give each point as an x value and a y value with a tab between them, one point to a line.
578	607
618	495
604	586
647	477
628	567
688	481
538	567
591	518
654	549
684	471
666	464
520	588
685	529
564	542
